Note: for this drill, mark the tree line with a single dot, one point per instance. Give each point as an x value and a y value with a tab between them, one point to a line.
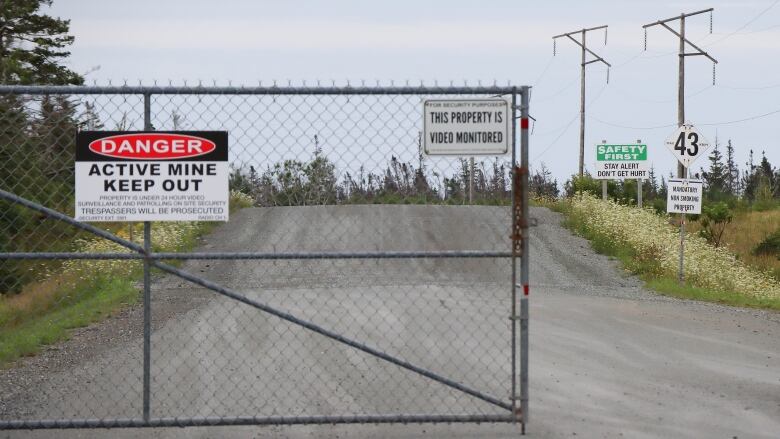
37	136
316	181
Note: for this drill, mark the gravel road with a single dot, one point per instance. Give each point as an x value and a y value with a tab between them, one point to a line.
608	358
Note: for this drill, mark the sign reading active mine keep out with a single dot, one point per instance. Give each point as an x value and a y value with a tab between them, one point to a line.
152	176
684	196
618	162
466	127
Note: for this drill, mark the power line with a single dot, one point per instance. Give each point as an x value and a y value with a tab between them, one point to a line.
729	122
748	32
762	87
747	119
628	61
664	101
749	22
556	129
544	71
616	125
555	94
568	125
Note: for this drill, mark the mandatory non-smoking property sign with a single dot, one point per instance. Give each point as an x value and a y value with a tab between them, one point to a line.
684	196
152	176
618	162
466	127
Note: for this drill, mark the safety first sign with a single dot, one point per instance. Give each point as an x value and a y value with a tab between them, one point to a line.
152	176
618	162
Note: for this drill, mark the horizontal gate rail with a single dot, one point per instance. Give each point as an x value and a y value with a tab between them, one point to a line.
51	213
247	420
274	90
258	305
265	256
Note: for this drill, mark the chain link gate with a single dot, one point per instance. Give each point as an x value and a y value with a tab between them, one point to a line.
359	288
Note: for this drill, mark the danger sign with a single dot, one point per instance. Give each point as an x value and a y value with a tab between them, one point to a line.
466	127
152	176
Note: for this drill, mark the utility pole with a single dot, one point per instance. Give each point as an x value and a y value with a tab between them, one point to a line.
584	48
639	184
682	172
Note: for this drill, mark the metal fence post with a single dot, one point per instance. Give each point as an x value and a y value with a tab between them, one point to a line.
515	251
147	287
524	266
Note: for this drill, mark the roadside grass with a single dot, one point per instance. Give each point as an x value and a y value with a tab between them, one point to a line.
745	232
617	231
81	292
671	287
88	303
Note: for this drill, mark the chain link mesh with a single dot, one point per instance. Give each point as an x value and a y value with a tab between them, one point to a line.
323	172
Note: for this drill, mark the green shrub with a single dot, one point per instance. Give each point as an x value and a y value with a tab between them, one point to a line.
714	219
769	246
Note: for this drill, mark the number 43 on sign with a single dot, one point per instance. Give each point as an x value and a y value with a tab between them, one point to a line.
687	144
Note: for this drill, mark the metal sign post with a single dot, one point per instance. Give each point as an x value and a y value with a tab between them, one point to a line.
681	269
687	144
639	192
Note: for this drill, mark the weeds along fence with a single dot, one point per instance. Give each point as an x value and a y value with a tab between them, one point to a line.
340	312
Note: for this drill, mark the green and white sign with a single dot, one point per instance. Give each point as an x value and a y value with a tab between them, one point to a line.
618	162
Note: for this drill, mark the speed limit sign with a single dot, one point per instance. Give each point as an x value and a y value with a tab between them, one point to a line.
687	144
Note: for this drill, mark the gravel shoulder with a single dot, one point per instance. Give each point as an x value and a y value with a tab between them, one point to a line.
608	358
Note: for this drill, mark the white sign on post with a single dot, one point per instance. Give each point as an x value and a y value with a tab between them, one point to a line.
619	162
684	196
466	127
687	144
151	176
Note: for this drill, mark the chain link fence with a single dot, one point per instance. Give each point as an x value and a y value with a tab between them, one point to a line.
358	280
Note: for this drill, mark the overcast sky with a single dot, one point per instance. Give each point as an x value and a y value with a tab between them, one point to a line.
246	41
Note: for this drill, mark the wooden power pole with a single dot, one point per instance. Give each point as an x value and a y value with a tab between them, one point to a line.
585	50
681	171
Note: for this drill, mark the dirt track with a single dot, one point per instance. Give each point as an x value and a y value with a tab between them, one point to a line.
608	359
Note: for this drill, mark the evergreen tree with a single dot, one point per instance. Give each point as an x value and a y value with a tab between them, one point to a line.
715	177
89	119
32	45
14	150
55	130
765	168
33	151
652	186
750	179
732	171
662	190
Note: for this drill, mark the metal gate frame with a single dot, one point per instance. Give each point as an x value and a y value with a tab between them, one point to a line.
516	408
